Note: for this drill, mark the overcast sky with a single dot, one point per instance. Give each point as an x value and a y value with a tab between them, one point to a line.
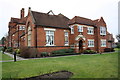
92	9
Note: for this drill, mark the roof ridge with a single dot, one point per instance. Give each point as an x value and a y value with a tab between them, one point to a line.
83	18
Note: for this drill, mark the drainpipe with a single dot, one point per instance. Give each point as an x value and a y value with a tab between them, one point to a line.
35	37
18	36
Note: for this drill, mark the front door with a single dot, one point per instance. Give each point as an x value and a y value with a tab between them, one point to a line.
80	46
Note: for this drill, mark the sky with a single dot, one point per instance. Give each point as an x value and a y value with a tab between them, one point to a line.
92	9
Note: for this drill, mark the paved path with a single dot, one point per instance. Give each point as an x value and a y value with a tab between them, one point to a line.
11	55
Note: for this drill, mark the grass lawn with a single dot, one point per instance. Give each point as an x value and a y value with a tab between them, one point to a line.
82	66
4	57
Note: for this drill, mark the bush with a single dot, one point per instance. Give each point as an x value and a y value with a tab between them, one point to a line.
44	54
112	50
89	52
118	45
17	51
109	50
9	49
63	51
28	52
88	49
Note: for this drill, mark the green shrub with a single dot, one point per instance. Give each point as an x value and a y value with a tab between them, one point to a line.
9	49
118	45
17	51
61	51
89	52
44	54
109	50
1	48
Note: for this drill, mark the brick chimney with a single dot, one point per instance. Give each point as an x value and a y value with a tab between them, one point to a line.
22	13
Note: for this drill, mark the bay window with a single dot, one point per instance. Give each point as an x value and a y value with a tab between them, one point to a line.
80	28
102	31
103	42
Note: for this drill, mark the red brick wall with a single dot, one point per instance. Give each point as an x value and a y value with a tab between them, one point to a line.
58	40
58	36
97	37
50	49
30	23
41	37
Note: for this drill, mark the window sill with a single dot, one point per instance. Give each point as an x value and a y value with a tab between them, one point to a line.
50	45
90	33
103	34
66	44
90	46
103	46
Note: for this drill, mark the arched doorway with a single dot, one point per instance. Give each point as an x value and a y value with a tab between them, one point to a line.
80	46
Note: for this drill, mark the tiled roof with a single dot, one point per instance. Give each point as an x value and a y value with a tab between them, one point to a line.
14	20
81	20
19	21
45	19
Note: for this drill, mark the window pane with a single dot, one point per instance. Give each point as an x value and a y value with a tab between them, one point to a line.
49	37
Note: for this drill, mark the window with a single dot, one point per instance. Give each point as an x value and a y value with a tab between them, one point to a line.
49	38
80	28
102	31
21	28
90	42
90	30
103	42
15	44
72	30
29	36
66	38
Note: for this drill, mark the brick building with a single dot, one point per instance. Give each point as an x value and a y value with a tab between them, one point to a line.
16	31
48	32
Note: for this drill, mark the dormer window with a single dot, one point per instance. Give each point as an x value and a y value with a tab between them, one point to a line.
102	30
80	28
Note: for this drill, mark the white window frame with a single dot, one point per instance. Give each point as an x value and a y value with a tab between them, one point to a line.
49	38
66	38
72	30
90	30
48	33
90	42
103	42
80	28
29	36
102	30
22	28
15	44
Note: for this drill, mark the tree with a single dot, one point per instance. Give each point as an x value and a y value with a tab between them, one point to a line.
3	41
118	37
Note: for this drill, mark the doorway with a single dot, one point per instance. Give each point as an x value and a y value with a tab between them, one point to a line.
80	46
